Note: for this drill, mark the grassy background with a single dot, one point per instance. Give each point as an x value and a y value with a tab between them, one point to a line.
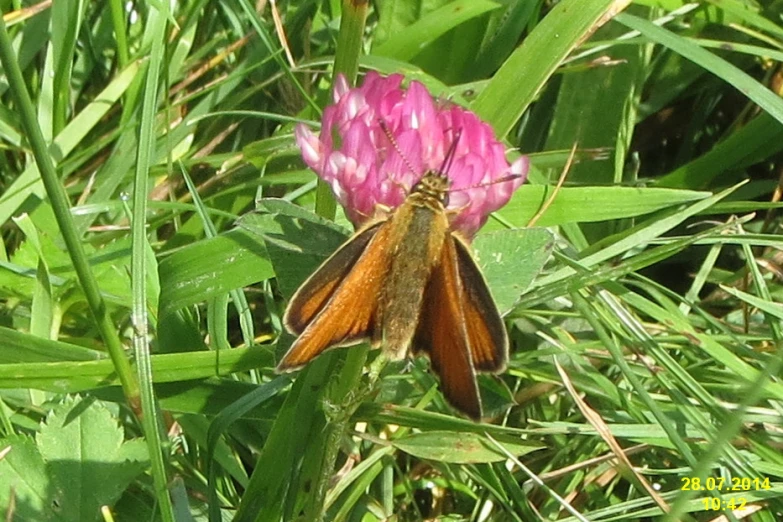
140	294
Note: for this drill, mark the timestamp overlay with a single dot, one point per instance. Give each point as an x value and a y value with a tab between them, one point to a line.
736	493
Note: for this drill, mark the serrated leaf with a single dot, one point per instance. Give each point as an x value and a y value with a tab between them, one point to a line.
87	461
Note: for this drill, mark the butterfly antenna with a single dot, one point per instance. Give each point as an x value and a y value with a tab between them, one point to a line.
395	146
448	160
504	179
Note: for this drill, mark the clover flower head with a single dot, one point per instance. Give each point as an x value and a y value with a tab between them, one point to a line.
353	152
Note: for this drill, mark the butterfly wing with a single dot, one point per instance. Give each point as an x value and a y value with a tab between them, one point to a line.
487	336
315	292
442	335
337	305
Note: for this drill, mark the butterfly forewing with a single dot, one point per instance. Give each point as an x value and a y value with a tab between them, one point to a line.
347	314
486	333
314	293
441	333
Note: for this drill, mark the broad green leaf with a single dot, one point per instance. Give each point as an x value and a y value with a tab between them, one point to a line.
641	235
208	397
515	86
503	33
211	267
406	44
78	464
459	448
23	477
600	118
296	240
511	259
19	347
589	204
86	458
70	377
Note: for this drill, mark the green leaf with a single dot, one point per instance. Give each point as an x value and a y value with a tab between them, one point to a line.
211	267
19	347
86	457
42	310
769	307
600	119
296	240
72	377
510	260
23	480
459	447
66	22
742	81
759	139
28	182
503	33
590	204
514	87
406	44
79	464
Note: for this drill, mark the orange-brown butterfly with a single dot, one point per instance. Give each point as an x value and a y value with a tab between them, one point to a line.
405	282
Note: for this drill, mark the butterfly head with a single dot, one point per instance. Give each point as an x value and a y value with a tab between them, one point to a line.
434	185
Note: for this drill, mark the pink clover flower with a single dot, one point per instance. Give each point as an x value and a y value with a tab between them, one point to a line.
354	155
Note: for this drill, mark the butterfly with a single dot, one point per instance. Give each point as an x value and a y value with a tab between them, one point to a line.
406	283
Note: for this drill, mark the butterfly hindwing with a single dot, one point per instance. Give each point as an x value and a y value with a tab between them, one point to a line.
486	333
441	333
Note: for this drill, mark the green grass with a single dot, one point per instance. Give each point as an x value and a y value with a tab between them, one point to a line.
156	215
